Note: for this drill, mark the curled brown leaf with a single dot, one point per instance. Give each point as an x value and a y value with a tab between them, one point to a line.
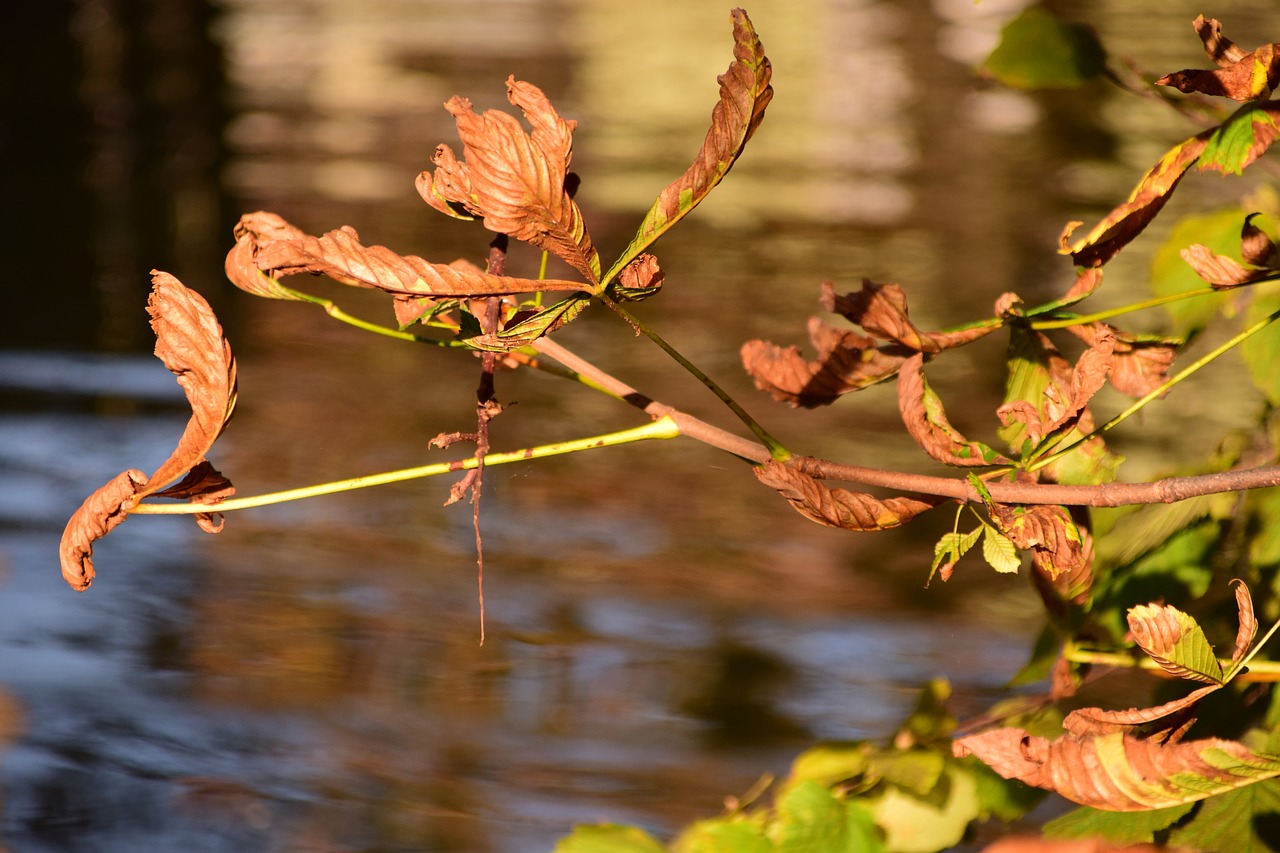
1141	363
1240	76
927	423
1170	719
1068	391
881	310
101	512
190	342
1057	544
847	361
840	507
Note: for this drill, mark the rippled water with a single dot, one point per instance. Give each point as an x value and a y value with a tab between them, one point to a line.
660	632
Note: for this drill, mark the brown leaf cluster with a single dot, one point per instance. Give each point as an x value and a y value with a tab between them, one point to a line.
1064	403
1241	76
515	181
847	361
840	507
190	343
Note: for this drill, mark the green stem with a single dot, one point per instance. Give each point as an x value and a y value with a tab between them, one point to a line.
664	427
1263	671
1143	401
337	313
776	450
1083	319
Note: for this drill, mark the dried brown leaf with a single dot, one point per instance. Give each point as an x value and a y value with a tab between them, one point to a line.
190	343
1127	221
1069	390
1175	714
881	310
1118	772
1056	543
1141	364
1241	76
1219	270
101	512
1256	246
839	507
927	423
515	180
639	279
847	361
252	230
1248	621
340	255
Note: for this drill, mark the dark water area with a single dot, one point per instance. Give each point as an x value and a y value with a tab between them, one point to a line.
660	632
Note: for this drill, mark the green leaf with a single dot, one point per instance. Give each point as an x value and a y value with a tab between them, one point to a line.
734	834
528	330
1003	799
1242	821
744	94
608	838
1116	827
952	546
999	552
1176	641
830	763
1170	274
915	825
1040	51
1261	352
811	818
1239	140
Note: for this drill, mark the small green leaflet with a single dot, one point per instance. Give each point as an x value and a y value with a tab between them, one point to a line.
999	552
952	546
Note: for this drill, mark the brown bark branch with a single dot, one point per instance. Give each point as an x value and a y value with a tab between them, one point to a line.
1168	490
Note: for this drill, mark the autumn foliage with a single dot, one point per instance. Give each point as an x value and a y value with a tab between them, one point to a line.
1024	490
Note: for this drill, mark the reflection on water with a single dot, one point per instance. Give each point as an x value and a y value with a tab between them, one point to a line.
660	632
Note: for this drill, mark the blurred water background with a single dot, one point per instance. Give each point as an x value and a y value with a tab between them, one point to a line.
661	631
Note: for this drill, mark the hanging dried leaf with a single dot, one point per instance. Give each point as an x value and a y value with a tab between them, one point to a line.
927	422
744	94
252	230
1127	221
847	361
190	343
1248	621
1174	640
340	255
881	310
514	180
1256	246
101	512
1140	362
1118	772
1064	392
1241	76
839	507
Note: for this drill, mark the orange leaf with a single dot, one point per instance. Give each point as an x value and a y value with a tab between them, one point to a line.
839	507
514	180
881	310
847	361
927	423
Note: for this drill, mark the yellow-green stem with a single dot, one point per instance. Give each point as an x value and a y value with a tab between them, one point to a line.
662	428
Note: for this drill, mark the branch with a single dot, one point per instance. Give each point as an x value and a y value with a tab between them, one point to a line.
1168	490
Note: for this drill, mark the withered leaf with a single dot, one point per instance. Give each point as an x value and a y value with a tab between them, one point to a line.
1169	718
1241	76
1127	220
252	230
1140	363
847	361
1223	272
744	94
190	343
1066	391
1175	641
840	507
340	255
1056	543
1119	772
881	310
101	512
514	180
638	280
927	423
1248	621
